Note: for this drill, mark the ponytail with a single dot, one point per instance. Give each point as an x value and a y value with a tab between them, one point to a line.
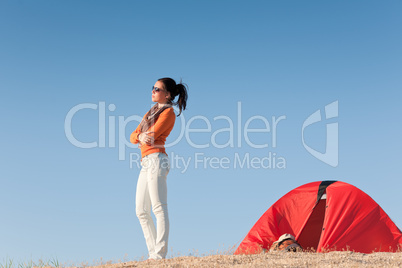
182	101
179	89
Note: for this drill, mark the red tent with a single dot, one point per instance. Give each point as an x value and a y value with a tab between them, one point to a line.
325	216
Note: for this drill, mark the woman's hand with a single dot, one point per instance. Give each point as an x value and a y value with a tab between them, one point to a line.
145	138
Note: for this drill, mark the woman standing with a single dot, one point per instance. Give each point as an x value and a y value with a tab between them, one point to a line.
151	135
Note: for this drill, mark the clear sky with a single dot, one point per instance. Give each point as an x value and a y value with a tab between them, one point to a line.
265	65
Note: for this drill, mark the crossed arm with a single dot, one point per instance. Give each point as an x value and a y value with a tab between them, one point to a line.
165	121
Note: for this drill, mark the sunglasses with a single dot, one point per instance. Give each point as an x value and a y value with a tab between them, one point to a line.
157	89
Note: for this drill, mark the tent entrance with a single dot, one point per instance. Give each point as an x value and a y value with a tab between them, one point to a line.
311	233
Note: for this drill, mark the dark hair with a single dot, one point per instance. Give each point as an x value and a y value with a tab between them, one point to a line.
176	89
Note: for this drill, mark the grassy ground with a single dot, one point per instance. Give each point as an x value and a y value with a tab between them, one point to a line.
271	259
277	259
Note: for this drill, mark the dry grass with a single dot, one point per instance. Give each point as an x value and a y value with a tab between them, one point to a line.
274	259
225	258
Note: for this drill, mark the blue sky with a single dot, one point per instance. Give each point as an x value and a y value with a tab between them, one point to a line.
272	58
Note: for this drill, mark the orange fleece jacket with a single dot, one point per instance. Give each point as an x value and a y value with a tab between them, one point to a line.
161	129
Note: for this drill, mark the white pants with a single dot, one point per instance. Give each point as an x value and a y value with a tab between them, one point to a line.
152	193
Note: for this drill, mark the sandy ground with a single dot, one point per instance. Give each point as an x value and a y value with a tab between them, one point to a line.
277	259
